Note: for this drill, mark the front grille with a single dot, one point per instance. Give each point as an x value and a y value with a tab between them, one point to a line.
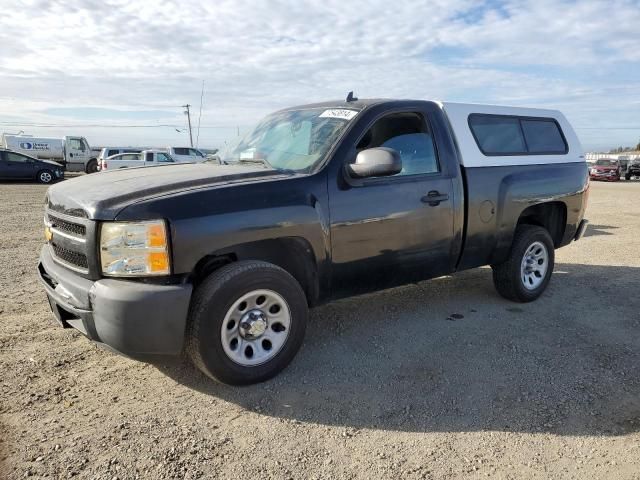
72	242
69	227
73	258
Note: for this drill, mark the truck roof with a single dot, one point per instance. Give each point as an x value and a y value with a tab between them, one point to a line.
447	106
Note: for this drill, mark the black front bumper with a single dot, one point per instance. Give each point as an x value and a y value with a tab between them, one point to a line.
139	320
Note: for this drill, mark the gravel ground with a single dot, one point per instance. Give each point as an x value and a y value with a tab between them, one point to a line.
387	385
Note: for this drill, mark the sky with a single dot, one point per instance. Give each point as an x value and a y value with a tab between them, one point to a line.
118	72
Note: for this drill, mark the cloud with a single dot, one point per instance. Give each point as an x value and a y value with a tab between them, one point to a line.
256	56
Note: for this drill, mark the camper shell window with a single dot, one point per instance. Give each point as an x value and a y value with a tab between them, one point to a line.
503	135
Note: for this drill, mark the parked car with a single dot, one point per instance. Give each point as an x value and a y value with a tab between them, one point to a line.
318	202
17	166
186	154
146	158
606	169
633	169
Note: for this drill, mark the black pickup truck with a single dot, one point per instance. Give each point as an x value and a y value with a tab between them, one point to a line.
317	202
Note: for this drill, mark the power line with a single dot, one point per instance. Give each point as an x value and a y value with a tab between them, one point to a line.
88	125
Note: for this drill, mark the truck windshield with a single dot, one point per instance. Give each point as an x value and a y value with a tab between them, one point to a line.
605	162
291	140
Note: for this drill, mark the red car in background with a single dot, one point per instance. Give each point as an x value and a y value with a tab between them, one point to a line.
605	169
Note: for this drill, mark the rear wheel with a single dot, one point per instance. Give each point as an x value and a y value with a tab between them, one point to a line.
247	322
627	176
45	176
527	271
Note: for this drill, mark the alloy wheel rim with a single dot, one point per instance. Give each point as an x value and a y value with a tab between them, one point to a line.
45	177
256	327
534	265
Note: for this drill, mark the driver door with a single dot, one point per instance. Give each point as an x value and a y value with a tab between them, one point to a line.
392	230
77	150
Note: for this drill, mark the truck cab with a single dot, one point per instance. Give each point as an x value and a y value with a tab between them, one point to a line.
78	156
317	202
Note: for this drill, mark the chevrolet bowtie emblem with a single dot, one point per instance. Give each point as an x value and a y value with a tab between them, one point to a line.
48	234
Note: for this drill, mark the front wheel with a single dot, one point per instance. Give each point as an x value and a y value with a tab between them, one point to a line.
246	322
527	271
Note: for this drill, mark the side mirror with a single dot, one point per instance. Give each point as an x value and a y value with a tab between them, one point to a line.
376	162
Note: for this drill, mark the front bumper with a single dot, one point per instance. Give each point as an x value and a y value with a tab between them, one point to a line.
139	320
605	176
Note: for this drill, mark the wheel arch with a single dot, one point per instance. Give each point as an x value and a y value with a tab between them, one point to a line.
293	254
552	216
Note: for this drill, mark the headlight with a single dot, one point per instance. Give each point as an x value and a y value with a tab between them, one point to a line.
134	249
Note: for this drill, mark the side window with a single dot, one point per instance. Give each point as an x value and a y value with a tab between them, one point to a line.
14	157
543	136
497	135
112	152
410	136
195	153
76	144
164	158
181	151
149	156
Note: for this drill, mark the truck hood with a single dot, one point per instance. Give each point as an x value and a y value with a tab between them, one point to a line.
102	195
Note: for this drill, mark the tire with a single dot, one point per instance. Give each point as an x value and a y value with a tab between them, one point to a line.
45	176
92	166
212	327
521	282
627	176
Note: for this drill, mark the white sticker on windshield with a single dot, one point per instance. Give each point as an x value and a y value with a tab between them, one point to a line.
339	113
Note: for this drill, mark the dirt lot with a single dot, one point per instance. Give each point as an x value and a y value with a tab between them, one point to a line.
385	386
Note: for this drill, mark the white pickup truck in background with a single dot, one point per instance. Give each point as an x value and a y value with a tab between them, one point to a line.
186	154
146	158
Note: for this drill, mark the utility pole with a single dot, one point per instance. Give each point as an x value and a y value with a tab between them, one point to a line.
188	114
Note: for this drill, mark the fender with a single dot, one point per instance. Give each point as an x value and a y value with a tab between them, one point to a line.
210	221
